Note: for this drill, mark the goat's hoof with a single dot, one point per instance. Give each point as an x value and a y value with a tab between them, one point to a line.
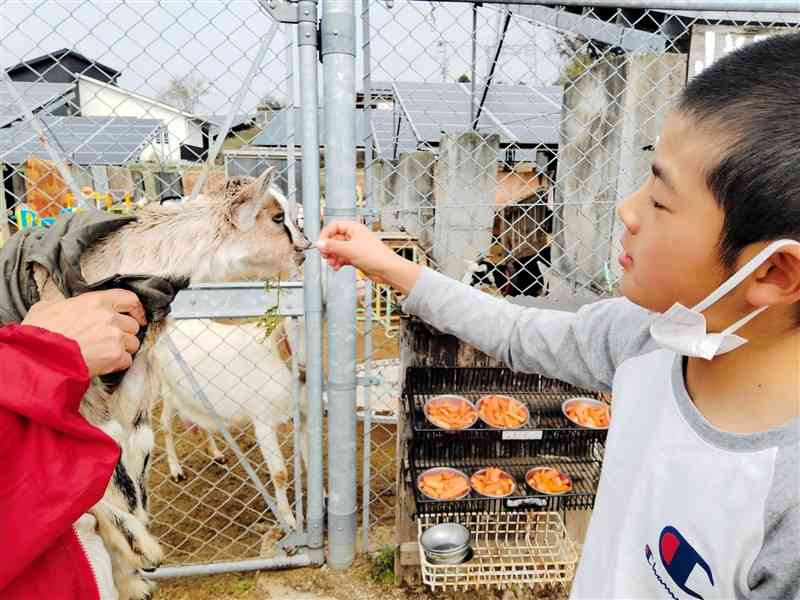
178	477
140	588
221	459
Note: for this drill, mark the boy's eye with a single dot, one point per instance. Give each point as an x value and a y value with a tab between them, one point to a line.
657	205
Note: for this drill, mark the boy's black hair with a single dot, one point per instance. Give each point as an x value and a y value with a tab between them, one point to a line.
752	98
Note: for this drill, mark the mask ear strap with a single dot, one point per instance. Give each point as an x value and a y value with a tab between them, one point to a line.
744	321
743	273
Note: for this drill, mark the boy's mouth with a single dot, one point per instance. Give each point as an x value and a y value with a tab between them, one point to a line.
625	260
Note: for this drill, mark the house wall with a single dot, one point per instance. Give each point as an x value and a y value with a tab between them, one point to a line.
104	101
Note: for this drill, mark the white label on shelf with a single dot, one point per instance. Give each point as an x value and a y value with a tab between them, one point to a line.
527	502
536	434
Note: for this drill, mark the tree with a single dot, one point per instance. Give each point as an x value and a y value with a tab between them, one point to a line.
464	78
185	92
271	102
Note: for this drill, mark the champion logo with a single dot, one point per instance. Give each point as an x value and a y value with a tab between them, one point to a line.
679	559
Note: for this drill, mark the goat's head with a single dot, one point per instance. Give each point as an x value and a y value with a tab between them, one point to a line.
259	235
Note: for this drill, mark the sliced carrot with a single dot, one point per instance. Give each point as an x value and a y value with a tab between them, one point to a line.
444	485
492	482
549	481
451	413
503	412
589	415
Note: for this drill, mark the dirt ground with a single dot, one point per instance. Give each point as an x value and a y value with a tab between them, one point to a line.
217	515
321	583
325	584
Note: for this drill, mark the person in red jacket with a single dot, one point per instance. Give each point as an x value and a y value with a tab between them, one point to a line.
55	465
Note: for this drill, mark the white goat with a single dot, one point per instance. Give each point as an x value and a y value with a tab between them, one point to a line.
244	231
246	379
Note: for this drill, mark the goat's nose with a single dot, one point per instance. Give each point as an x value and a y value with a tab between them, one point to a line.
304	244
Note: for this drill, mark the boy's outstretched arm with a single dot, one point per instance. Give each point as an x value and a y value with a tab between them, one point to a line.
582	348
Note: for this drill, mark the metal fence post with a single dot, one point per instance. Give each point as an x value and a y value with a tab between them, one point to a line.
338	51
307	40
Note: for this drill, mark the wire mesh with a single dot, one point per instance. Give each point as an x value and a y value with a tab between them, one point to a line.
117	106
498	139
493	143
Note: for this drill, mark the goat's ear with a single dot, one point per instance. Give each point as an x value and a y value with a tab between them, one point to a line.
264	180
250	200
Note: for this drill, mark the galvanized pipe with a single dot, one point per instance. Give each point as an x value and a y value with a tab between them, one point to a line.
312	274
338	55
278	562
366	473
788	6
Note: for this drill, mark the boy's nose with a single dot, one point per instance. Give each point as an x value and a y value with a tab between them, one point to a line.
627	213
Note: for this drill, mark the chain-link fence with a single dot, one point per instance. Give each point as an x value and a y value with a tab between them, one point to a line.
148	109
491	142
498	138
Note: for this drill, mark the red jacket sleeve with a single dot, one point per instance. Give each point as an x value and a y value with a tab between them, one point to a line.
55	465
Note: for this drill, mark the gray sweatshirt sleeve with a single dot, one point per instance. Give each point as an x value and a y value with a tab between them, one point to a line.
583	348
776	571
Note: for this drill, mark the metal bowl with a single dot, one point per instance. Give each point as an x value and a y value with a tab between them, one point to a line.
448	398
446	543
436	470
490	425
511	493
594	401
535	489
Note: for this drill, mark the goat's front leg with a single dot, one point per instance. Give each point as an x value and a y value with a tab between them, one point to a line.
267	436
130	584
125	535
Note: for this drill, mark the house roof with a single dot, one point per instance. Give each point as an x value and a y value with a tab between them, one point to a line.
239	120
142	98
57	55
764	18
36	96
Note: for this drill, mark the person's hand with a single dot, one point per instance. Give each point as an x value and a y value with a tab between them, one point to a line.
345	243
104	324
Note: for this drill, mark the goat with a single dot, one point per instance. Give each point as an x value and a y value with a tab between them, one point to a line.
243	231
514	277
248	381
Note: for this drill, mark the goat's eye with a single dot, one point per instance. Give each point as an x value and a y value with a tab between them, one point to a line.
280	218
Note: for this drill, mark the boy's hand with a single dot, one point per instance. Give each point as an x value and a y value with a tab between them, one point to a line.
345	243
104	324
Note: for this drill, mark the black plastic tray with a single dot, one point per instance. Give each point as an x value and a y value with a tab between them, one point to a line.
585	475
548	431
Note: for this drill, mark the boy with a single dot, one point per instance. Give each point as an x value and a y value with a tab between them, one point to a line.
698	497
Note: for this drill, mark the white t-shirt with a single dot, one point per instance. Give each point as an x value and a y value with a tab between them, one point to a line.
683	510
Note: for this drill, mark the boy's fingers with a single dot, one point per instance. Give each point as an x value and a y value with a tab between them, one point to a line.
332	247
333	229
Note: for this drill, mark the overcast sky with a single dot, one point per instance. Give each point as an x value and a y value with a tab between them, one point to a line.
151	42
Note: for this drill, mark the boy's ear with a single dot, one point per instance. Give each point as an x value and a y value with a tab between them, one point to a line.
777	281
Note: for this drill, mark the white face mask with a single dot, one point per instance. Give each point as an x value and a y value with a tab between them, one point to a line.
684	330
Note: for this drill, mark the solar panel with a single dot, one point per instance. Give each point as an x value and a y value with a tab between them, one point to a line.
80	140
276	132
520	114
385	133
34	95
